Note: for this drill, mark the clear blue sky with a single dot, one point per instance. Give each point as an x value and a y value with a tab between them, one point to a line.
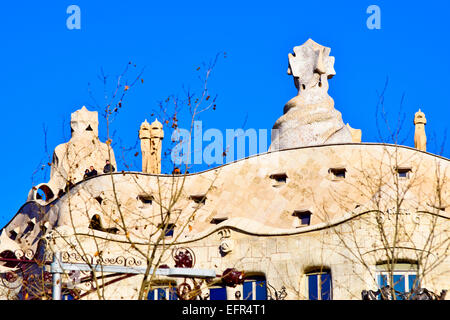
46	67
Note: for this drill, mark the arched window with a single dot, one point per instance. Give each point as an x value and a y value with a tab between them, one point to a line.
319	285
96	224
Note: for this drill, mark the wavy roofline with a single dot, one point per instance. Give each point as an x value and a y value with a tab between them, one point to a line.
230	163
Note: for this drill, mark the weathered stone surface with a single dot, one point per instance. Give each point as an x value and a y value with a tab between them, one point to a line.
258	220
151	136
310	118
420	138
83	150
356	133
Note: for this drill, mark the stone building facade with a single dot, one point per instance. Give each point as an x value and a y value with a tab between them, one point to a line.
321	215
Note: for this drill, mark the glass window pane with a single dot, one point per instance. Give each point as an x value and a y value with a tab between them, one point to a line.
399	284
173	293
151	295
248	290
305	218
382	280
412	282
218	293
161	294
261	290
325	286
312	287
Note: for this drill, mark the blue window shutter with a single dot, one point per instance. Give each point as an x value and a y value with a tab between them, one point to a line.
413	282
399	284
325	286
218	293
151	295
173	294
382	280
261	290
312	287
161	294
248	290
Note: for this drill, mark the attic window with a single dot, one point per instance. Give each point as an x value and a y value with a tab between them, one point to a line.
279	177
145	199
403	173
304	216
13	235
96	224
337	173
30	226
218	220
199	198
99	199
89	128
168	230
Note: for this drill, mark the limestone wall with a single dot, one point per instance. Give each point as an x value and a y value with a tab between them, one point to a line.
255	200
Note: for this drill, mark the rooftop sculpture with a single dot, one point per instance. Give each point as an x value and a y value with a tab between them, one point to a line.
420	138
310	117
70	159
151	136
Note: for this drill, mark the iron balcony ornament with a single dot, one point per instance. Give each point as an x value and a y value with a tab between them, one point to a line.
385	293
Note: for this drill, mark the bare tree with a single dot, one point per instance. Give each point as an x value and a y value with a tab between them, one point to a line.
136	237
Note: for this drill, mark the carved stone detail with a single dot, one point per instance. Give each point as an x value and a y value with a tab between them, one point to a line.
310	118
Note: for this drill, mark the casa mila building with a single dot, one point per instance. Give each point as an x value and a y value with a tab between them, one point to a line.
321	215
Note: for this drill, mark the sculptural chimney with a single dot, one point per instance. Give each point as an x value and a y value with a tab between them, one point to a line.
151	136
310	118
420	138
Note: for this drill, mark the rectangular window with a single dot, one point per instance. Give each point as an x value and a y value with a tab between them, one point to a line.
254	288
319	286
403	173
337	173
304	217
146	199
163	293
169	229
404	278
199	198
280	178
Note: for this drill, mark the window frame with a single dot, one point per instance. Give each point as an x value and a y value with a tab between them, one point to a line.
301	215
403	173
337	173
405	270
255	294
319	292
169	291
